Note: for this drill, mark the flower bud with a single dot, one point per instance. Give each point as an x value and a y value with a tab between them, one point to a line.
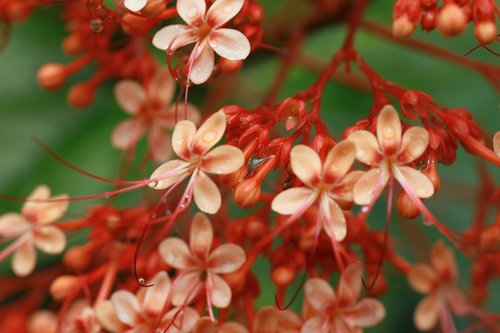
406	207
486	32
283	275
81	95
73	44
233	179
255	228
78	258
42	321
429	20
431	173
402	27
52	76
489	239
451	20
247	193
63	286
230	66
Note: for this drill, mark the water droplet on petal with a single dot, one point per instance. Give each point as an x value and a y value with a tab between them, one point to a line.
364	209
192	12
361	152
388	132
214	44
181	141
228	9
209	136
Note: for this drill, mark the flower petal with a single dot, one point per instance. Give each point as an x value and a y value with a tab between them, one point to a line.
367	185
226	258
496	143
184	322
203	64
126	134
222	11
161	88
135	5
232	328
350	285
220	292
161	181
35	201
155	296
230	44
443	260
223	160
338	161
366	313
160	144
333	219
106	317
319	294
314	324
191	10
427	312
184	286
272	320
418	182
176	253
389	130
422	278
201	236
205	325
206	194
13	225
367	148
24	259
182	138
305	164
343	191
130	96
414	143
127	307
291	200
209	133
50	239
172	37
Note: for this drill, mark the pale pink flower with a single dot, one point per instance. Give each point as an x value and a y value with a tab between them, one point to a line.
136	313
496	143
199	267
152	114
329	183
273	320
204	29
42	321
135	5
32	228
387	154
82	318
438	282
193	147
340	311
206	325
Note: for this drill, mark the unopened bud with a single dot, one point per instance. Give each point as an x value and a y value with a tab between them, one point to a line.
451	20
247	193
406	207
431	173
255	227
63	286
489	240
52	76
78	258
81	95
230	66
42	321
402	27
486	32
233	179
73	44
429	20
283	275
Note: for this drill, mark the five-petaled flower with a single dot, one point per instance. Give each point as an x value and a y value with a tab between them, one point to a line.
204	29
152	114
33	228
193	146
387	154
199	267
327	311
330	184
438	281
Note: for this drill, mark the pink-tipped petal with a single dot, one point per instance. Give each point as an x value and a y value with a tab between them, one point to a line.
496	143
187	285
350	285
419	183
367	148
209	133
126	134
343	190
12	225
443	260
184	322
36	201
319	294
130	96
223	160
333	219
206	194
220	293
389	130
305	164
201	236
413	145
422	278
160	144
226	258
427	313
172	37
135	5
160	181
24	259
50	239
339	160
191	11
126	306
155	296
182	138
367	186
203	64
291	200
176	253
222	11
106	317
161	87
366	313
230	44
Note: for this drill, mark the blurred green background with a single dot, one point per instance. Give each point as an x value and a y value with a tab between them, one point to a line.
82	137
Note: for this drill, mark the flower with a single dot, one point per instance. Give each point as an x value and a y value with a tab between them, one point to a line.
329	183
139	312
198	265
193	147
437	280
327	311
33	228
152	114
204	29
387	154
